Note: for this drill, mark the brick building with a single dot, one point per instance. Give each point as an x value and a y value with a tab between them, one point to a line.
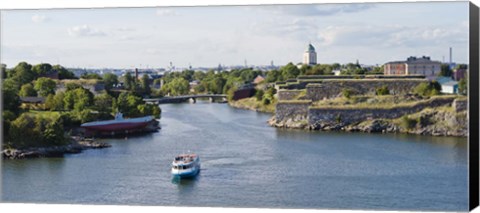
413	66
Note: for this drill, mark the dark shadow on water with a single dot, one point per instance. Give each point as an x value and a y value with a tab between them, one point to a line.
185	182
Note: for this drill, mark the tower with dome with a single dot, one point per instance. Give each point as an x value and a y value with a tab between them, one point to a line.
310	56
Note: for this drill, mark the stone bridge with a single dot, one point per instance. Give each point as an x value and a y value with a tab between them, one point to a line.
184	98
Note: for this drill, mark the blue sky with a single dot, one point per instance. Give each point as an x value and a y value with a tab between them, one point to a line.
373	33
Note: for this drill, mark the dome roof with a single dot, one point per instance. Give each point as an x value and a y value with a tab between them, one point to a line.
310	48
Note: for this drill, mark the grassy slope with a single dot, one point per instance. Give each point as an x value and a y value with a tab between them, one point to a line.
253	104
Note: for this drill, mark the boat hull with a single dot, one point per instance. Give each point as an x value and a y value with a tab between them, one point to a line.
186	173
117	126
120	126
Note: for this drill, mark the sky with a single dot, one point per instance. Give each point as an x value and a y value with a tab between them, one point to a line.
372	33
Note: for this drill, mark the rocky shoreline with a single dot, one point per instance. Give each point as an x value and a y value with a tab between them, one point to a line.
442	124
76	146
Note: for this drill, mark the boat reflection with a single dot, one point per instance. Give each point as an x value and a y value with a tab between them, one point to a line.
185	182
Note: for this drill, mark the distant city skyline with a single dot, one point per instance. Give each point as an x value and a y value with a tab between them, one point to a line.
372	33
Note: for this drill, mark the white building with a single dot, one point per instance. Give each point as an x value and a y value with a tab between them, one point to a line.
310	56
449	87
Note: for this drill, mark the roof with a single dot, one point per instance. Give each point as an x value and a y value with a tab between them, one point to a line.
449	83
413	60
310	48
442	80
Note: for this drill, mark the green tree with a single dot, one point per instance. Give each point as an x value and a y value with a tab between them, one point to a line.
200	88
259	95
177	86
36	131
463	86
445	70
42	69
22	132
273	76
232	82
304	69
146	84
149	109
3	68
8	117
63	73
58	101
428	89
377	70
289	71
50	102
78	99
217	84
11	100
83	99
23	73
187	75
27	90
336	66
103	102
128	103
199	75
129	82
110	80
54	134
45	86
320	69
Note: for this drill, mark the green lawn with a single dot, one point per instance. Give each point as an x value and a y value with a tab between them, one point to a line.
43	114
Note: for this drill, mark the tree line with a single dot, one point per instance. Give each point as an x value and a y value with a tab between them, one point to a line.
75	105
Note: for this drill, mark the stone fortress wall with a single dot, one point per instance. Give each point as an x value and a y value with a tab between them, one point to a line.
324	87
289	109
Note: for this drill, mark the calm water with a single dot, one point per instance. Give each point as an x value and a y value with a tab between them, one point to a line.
249	164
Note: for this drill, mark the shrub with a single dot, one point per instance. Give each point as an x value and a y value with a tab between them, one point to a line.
423	120
407	122
266	101
346	93
383	91
28	131
259	95
428	89
338	118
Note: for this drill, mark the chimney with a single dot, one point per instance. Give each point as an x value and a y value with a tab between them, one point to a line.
450	56
136	74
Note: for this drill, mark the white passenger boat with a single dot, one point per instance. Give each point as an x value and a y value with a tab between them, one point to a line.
186	165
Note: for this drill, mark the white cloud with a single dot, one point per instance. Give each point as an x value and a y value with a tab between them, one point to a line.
166	12
153	51
124	29
317	10
391	36
415	37
84	31
39	18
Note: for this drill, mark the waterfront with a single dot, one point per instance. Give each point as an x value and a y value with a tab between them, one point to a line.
246	163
